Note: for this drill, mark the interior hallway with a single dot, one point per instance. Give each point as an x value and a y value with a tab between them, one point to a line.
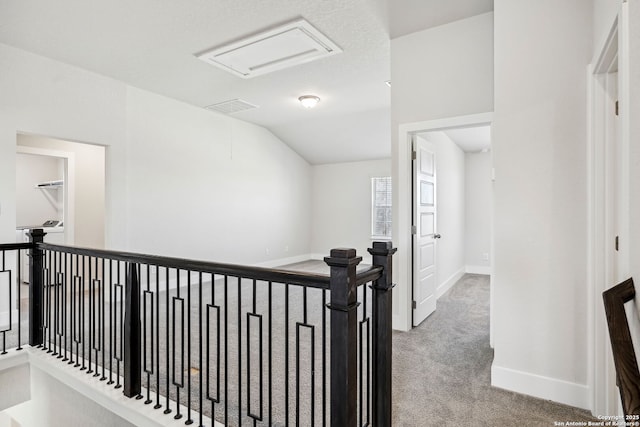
442	368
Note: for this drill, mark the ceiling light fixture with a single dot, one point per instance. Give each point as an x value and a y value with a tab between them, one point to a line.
309	101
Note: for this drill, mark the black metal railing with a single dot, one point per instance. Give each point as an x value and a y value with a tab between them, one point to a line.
202	341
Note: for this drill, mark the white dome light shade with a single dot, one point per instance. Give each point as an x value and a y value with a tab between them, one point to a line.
309	101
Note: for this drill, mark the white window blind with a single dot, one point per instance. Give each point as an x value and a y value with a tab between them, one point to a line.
381	207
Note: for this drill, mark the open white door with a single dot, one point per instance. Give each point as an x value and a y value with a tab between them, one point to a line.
424	229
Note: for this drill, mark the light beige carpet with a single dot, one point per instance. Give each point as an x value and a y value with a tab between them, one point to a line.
442	370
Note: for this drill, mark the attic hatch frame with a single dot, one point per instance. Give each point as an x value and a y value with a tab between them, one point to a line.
293	43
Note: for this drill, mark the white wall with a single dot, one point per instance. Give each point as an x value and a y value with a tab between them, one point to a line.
539	153
341	205
206	186
438	73
34	206
634	141
604	13
159	196
443	72
450	210
478	212
89	186
44	97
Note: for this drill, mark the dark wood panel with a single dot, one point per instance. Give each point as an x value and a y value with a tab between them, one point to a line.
624	357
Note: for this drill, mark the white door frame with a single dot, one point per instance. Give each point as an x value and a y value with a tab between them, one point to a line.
601	374
402	207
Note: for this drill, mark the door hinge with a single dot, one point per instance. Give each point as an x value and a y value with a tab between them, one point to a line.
414	229
617	108
617	244
413	155
414	305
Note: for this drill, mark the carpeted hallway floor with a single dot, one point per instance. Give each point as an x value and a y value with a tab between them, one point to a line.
442	368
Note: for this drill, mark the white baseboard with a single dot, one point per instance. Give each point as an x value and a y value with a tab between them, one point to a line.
541	387
478	269
447	284
284	261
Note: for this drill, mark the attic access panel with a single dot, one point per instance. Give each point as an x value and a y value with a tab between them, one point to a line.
282	47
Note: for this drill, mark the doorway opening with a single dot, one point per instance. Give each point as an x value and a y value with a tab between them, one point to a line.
608	205
432	248
62	182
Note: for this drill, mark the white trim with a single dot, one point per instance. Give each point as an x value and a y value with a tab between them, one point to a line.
318	256
542	387
478	269
132	410
12	359
448	284
401	181
603	398
284	261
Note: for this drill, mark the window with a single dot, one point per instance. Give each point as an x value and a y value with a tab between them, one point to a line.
381	207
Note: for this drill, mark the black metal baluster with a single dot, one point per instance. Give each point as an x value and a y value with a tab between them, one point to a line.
45	298
66	336
226	350
78	297
57	340
50	297
324	357
362	370
286	354
4	331
97	300
176	384
211	307
254	314
92	324
189	420
299	326
270	353
120	324
239	352
19	299
157	405
73	307
148	324
200	335
167	346
103	318
111	327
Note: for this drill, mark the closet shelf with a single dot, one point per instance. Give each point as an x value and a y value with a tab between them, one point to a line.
50	184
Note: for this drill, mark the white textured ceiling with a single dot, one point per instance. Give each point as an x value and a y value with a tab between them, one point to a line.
151	44
472	139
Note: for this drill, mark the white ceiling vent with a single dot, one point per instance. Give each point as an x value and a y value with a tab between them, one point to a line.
231	107
282	47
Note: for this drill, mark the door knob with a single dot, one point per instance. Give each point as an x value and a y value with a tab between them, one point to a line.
436	236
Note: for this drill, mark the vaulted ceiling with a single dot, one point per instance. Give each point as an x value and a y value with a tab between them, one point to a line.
151	44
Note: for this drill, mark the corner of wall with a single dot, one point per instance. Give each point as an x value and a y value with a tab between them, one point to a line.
540	386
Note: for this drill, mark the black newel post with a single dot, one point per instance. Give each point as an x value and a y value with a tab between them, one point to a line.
381	392
132	343
344	339
36	288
